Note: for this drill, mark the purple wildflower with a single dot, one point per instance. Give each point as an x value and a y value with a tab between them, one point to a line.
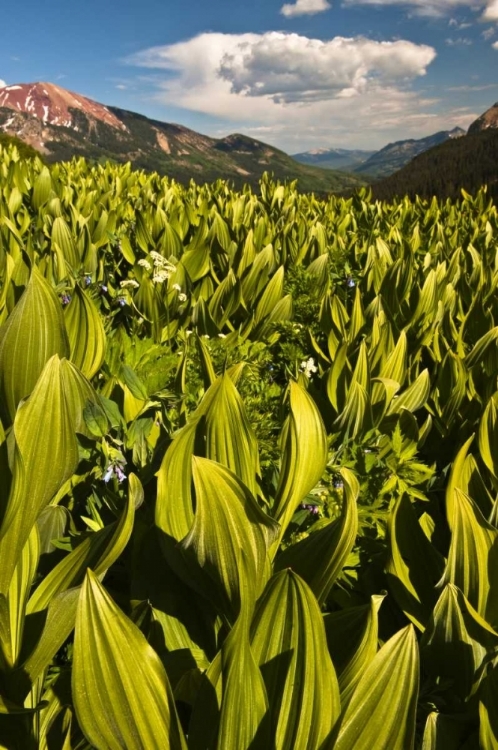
313	509
121	302
117	470
66	299
103	288
350	283
88	280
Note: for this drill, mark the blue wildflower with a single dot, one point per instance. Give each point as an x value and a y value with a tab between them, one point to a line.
87	280
109	473
350	283
103	288
121	302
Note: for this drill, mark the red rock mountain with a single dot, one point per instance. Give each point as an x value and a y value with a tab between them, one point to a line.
61	124
52	104
488	120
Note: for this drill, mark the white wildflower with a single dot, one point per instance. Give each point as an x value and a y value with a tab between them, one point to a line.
182	297
160	276
161	262
222	335
144	263
188	333
205	336
309	367
177	287
129	282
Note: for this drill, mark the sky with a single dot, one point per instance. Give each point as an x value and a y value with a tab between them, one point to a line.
298	75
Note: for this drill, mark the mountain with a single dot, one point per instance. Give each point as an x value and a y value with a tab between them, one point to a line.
395	155
487	120
334	158
62	124
468	162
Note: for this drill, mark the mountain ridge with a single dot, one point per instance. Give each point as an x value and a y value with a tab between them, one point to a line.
62	124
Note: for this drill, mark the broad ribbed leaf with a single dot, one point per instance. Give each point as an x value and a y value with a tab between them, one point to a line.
455	643
86	334
46	455
120	690
488	711
219	430
381	713
98	551
415	395
227	520
414	566
288	642
33	333
352	638
319	558
304	455
471	566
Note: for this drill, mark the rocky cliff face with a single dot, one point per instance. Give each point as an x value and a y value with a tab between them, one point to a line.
488	120
54	105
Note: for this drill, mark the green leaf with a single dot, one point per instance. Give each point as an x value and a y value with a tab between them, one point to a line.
288	641
381	713
120	690
470	564
45	456
32	334
87	339
415	395
352	638
488	710
304	455
414	566
455	644
98	551
227	520
319	558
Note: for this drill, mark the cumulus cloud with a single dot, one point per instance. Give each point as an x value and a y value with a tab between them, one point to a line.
437	7
495	45
288	67
491	11
304	7
2	83
291	88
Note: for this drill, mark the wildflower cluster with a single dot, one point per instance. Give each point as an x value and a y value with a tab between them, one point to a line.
308	367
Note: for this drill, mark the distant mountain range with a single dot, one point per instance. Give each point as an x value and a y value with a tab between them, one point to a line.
376	164
467	162
62	124
343	159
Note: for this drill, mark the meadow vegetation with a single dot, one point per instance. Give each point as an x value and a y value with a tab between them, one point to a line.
248	466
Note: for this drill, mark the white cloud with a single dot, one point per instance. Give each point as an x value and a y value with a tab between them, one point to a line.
284	67
304	7
491	11
437	7
495	45
488	33
296	92
460	41
2	83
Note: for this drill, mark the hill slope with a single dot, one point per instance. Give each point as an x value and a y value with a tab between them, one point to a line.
62	124
395	155
468	162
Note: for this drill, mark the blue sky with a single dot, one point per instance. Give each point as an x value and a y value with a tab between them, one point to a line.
298	75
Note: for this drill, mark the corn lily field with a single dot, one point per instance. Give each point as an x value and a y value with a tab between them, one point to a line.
248	466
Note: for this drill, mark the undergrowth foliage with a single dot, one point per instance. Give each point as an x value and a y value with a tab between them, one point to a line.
248	466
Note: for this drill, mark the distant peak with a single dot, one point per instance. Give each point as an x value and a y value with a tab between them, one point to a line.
53	104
